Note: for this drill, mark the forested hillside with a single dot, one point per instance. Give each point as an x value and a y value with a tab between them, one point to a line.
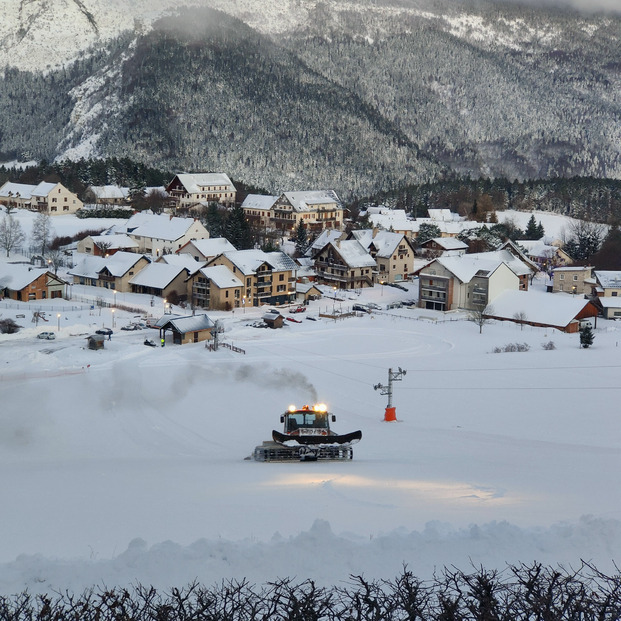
357	96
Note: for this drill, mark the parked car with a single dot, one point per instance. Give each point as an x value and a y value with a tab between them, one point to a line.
49	336
104	331
360	308
297	309
374	306
131	327
293	320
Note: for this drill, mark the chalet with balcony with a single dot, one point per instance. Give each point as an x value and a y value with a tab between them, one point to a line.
393	253
106	245
267	277
318	209
191	190
467	282
345	264
216	288
113	272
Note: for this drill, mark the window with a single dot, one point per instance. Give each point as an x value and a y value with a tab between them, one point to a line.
614	294
575	278
562	277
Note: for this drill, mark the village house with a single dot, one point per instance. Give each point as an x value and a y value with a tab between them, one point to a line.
606	293
186	329
546	256
267	277
519	263
540	309
317	209
577	280
112	272
216	288
161	234
443	247
160	279
52	199
25	283
192	190
345	264
106	195
258	210
393	253
206	249
468	282
106	245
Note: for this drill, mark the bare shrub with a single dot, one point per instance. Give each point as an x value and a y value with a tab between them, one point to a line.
549	346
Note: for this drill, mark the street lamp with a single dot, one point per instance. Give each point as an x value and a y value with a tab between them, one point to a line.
115	297
244	303
58	317
113	324
382	283
334	303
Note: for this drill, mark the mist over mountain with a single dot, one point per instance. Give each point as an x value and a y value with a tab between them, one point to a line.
360	96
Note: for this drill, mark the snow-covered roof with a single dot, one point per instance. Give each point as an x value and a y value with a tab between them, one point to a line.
182	260
608	279
384	242
449	243
112	242
121	262
16	277
89	266
211	247
221	276
517	266
110	192
467	266
610	302
353	253
117	264
443	215
157	275
304	287
259	201
324	239
43	189
305	201
185	324
575	268
249	261
196	183
553	309
537	248
158	226
10	189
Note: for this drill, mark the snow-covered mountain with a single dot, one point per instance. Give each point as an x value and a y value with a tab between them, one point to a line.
359	95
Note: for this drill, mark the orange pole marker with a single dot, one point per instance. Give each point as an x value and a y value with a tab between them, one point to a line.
390	415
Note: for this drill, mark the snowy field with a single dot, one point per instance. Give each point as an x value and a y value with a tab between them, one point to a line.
127	465
132	469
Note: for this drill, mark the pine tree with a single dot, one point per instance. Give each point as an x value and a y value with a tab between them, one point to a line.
301	238
586	336
532	231
238	230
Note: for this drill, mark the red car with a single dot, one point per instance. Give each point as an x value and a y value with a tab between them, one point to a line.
297	309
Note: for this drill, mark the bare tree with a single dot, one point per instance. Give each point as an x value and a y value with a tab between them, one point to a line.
42	232
520	317
481	316
11	234
103	246
55	258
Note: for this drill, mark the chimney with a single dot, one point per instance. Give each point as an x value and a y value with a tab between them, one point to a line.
375	231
